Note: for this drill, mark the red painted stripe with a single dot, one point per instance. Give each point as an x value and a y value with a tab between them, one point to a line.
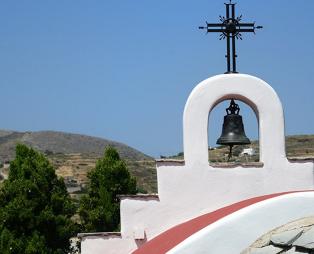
173	236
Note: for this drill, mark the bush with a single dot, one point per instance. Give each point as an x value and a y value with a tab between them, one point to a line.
35	208
99	209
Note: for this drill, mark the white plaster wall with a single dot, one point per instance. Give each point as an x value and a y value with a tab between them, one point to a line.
107	245
194	188
186	191
239	230
186	194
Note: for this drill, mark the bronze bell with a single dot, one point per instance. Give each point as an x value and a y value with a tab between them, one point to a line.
233	129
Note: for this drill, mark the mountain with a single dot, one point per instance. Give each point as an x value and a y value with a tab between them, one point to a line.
74	155
65	143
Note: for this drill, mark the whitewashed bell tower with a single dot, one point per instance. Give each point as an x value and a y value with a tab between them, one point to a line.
199	204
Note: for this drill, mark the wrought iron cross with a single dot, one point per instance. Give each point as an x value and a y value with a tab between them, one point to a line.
230	29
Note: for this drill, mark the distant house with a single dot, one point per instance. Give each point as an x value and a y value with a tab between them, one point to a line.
72	185
248	151
6	164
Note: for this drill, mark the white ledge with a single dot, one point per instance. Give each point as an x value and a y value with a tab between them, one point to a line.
237	164
100	234
301	159
171	162
140	197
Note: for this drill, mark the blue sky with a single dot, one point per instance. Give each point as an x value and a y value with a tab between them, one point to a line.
122	70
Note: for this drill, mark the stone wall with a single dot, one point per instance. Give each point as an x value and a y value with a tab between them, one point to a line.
294	237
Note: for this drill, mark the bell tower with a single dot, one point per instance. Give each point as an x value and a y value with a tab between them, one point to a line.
199	204
231	29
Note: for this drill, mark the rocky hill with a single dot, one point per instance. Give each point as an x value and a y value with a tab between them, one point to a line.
60	142
74	155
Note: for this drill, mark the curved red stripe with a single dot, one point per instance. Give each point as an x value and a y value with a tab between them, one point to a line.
172	237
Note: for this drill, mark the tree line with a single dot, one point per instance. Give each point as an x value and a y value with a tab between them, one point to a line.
36	211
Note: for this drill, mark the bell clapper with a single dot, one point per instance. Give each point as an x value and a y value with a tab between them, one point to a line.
230	152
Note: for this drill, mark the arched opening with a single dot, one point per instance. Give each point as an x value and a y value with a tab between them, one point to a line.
240	153
253	91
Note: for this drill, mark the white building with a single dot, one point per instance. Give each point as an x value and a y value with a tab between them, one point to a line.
199	205
248	151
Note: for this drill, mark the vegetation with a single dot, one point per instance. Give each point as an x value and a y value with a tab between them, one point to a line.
35	208
36	212
99	209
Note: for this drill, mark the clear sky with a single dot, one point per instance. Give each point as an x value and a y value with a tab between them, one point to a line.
122	70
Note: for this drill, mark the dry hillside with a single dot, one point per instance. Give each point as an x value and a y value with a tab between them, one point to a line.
73	155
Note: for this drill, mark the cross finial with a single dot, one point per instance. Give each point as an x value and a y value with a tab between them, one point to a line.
231	29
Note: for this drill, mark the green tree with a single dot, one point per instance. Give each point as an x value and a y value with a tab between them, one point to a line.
35	208
99	209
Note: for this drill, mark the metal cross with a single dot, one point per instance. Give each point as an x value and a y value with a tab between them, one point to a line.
231	29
